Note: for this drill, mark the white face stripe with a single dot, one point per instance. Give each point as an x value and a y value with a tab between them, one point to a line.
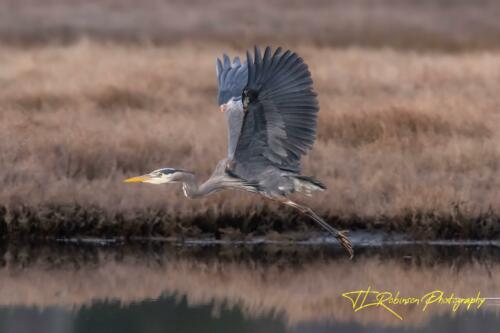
162	179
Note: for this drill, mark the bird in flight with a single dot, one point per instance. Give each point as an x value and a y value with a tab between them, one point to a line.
271	112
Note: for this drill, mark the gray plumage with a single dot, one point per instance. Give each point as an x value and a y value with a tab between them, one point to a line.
231	78
281	108
234	117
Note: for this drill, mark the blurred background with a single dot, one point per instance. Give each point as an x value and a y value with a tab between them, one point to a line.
447	25
92	92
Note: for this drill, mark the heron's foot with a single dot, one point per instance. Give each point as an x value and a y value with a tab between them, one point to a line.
345	242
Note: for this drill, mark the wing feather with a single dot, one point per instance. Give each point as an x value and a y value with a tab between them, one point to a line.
231	78
281	107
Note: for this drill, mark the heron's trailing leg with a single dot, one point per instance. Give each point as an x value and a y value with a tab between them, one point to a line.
340	235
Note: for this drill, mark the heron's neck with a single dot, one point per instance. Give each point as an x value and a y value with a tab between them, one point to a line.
192	189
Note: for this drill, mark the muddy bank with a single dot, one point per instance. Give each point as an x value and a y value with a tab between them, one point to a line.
72	221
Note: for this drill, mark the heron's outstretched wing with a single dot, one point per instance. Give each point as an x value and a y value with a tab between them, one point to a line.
281	108
231	78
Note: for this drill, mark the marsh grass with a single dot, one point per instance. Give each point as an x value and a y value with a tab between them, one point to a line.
406	141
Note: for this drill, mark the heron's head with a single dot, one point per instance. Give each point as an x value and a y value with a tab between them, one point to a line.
160	176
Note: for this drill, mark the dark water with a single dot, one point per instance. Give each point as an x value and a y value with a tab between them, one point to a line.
162	288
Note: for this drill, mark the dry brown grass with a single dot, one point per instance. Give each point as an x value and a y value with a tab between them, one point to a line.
402	136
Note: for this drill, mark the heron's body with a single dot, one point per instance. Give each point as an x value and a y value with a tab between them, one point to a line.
271	112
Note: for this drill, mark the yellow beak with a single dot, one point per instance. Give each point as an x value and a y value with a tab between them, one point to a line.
139	179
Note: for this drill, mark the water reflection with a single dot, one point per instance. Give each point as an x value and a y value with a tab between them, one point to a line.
159	287
149	316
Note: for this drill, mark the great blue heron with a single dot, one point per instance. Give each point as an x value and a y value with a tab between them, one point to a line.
271	111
